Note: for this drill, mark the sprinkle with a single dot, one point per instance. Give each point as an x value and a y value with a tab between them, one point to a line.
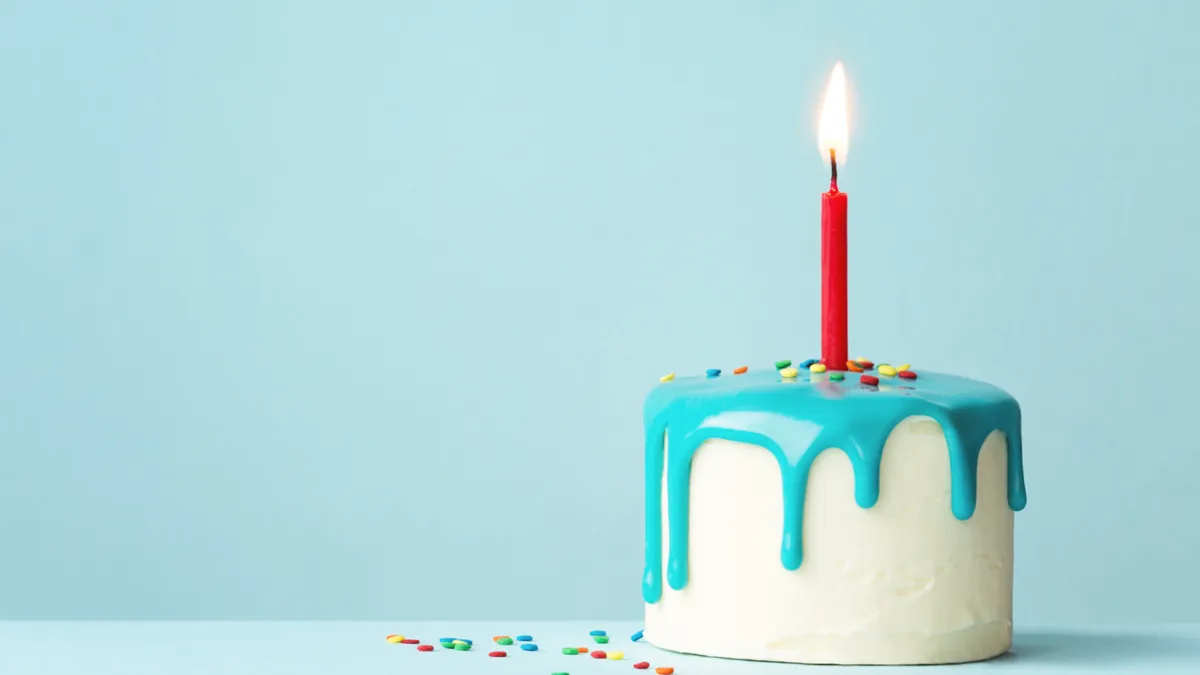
497	637
560	674
530	647
783	364
904	366
457	641
498	654
837	377
445	639
664	670
642	665
636	636
462	647
907	374
817	368
865	364
869	379
616	656
410	641
808	363
598	632
424	648
885	369
570	651
854	367
524	638
667	378
713	372
789	372
600	639
395	639
739	370
504	641
583	650
598	654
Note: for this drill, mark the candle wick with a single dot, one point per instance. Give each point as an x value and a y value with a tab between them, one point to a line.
833	170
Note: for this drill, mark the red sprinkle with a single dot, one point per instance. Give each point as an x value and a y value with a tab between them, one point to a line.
410	641
908	374
642	665
498	654
425	648
869	379
866	364
599	654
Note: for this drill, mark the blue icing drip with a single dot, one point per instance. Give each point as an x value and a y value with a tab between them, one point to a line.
798	419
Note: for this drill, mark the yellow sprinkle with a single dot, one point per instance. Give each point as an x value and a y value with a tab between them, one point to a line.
885	369
904	366
459	642
395	639
667	378
616	656
862	359
790	371
817	368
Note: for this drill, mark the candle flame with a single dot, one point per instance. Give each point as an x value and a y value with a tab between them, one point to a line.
833	133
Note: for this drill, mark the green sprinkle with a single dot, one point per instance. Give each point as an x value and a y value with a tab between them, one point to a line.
783	364
570	651
600	639
560	674
504	641
462	648
837	376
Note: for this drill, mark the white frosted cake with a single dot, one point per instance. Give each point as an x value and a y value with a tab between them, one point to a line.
863	517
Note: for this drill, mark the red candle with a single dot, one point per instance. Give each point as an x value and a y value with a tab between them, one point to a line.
833	135
834	350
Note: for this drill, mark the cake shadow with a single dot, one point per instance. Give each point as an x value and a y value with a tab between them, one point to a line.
1102	647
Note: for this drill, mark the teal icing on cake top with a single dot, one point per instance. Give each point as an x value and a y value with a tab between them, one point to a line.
796	419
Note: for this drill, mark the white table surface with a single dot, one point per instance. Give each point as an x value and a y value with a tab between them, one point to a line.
360	648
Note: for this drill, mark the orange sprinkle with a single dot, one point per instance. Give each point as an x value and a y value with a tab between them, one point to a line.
853	367
582	650
664	670
498	637
739	370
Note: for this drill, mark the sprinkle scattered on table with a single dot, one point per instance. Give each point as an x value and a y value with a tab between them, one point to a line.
524	638
740	369
667	378
636	636
499	653
869	379
395	639
664	670
598	632
597	654
570	651
529	647
424	648
616	656
642	665
789	372
600	639
780	365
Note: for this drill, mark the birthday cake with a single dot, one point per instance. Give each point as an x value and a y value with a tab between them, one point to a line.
852	517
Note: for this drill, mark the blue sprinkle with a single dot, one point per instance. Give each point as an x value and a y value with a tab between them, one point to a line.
600	632
524	638
447	639
806	364
529	647
636	636
713	372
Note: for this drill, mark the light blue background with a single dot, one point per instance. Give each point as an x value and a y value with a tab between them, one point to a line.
346	309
